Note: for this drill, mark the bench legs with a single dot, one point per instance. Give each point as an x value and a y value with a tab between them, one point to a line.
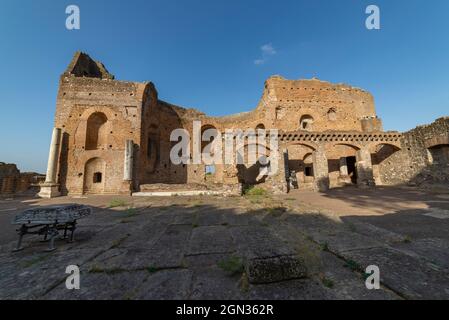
22	231
53	233
50	232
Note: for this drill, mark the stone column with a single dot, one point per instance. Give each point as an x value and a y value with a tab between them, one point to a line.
344	174
50	188
320	170
364	168
343	167
129	161
128	164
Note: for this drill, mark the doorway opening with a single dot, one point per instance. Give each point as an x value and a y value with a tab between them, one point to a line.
352	172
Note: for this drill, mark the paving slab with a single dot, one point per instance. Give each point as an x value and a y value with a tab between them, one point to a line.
214	284
166	285
433	250
267	258
408	276
33	276
210	239
101	286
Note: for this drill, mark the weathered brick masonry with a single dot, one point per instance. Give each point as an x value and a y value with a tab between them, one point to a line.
329	135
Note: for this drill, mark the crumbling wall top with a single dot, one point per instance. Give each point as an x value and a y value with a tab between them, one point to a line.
82	65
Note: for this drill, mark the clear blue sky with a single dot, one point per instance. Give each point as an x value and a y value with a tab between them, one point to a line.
202	54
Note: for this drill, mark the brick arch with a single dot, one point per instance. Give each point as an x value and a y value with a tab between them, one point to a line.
372	147
97	130
110	114
352	145
310	145
94	175
437	140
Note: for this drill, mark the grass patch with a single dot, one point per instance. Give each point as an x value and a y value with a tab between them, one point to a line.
276	211
328	283
255	200
96	269
130	212
117	242
33	261
407	239
115	203
255	191
354	266
244	282
151	269
232	265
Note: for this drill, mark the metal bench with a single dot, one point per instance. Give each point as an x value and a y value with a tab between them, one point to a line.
47	221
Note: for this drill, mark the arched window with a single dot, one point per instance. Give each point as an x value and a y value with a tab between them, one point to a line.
96	133
306	123
260	126
332	114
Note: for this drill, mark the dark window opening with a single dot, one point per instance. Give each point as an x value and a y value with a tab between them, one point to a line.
149	148
97	177
308	171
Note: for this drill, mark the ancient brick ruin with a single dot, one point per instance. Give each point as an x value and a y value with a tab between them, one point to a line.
12	181
114	137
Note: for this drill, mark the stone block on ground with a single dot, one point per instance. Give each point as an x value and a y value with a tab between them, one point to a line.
267	258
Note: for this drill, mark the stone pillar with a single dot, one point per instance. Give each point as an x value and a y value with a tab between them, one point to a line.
320	170
50	188
344	174
129	161
364	168
128	165
343	167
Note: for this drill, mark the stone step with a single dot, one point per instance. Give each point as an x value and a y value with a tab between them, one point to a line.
178	193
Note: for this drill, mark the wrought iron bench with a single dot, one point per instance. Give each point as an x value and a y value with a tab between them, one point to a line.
47	221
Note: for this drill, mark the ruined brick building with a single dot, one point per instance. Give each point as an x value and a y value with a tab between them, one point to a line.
114	137
12	181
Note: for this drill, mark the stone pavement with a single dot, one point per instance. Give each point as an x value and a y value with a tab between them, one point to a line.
258	247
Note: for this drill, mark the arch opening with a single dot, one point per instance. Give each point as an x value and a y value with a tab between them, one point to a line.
306	123
97	131
94	176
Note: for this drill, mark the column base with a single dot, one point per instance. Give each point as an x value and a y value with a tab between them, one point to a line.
321	184
49	190
344	180
126	187
366	183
